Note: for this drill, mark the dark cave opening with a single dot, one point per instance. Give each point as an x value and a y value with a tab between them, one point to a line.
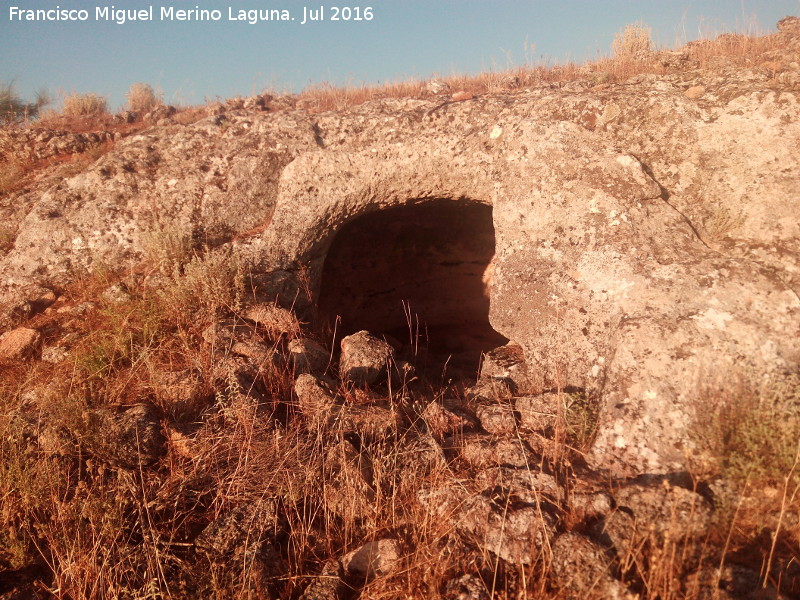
418	274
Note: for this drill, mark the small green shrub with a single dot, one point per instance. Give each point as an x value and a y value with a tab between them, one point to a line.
753	433
167	248
580	419
128	333
210	285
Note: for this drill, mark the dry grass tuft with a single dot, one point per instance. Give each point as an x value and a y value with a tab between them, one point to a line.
634	41
14	110
737	50
142	98
84	105
187	116
95	531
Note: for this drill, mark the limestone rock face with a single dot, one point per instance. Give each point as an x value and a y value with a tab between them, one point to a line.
790	25
315	396
243	526
645	235
514	536
169	182
40	143
466	587
274	320
507	363
328	585
656	512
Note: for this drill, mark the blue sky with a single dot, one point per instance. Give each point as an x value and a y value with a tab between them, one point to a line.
194	61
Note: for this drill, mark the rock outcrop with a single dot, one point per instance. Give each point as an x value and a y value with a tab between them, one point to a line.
642	237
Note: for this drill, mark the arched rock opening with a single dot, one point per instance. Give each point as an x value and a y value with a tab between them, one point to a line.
419	273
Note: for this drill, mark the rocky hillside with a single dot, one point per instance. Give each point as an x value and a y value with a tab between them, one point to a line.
540	342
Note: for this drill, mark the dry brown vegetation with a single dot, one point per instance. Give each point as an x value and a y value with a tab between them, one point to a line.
84	105
633	55
141	98
14	110
79	525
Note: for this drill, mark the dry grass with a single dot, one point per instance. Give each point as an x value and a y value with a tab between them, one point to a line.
91	530
84	105
11	174
142	98
634	41
100	122
17	173
189	115
632	54
14	110
753	431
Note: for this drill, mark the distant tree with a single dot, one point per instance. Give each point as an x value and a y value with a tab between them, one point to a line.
14	109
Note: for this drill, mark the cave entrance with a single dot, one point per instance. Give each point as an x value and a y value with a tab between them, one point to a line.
418	274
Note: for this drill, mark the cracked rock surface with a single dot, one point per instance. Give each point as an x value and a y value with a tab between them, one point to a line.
646	232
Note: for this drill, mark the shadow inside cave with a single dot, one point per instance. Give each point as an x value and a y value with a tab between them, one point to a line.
419	275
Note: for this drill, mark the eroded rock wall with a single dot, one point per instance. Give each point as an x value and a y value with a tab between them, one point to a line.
646	236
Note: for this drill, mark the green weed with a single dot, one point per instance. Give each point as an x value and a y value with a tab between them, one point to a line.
752	433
